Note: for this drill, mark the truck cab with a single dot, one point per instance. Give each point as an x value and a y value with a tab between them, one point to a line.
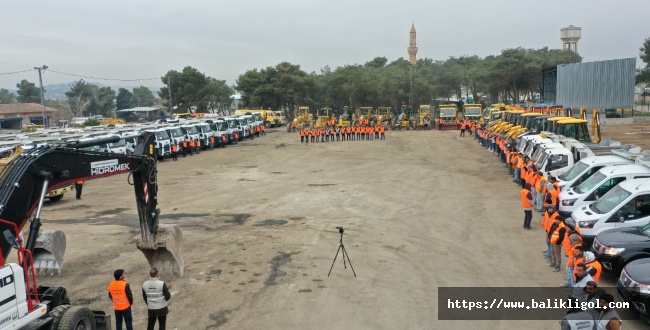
555	161
586	167
205	133
176	134
190	132
220	127
245	125
163	143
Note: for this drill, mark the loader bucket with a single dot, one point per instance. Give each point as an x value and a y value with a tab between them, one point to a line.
49	251
166	252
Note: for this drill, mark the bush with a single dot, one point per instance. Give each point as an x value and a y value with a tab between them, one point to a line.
91	122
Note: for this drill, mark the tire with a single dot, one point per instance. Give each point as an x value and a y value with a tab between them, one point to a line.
77	318
57	314
56	198
267	124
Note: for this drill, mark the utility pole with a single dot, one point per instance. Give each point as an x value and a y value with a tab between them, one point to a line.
40	79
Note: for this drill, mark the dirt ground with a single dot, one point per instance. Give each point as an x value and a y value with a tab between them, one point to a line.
421	210
637	134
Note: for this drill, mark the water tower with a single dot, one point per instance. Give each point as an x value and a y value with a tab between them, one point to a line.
570	36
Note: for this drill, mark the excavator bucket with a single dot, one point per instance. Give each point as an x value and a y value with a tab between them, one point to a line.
166	252
49	251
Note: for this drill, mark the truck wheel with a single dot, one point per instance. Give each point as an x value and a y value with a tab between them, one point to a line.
77	318
56	198
57	314
267	124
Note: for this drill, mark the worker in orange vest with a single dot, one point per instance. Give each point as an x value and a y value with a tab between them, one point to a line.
556	237
382	129
527	205
590	261
293	126
440	122
457	123
191	147
78	186
263	128
251	133
547	222
463	126
120	294
175	151
302	136
184	147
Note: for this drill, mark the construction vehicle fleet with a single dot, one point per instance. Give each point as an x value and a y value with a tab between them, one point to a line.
25	182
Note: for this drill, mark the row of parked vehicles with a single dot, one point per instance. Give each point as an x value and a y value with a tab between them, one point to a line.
605	189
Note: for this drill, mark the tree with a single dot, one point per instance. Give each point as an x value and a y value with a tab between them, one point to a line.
124	99
643	75
142	97
188	89
6	96
104	99
28	92
219	96
81	97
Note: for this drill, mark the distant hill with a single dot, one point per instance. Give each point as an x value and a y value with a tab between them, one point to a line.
57	91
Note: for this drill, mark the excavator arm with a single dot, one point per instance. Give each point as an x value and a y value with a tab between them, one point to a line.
27	179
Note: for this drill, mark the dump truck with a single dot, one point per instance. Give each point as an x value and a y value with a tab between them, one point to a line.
448	114
33	306
472	111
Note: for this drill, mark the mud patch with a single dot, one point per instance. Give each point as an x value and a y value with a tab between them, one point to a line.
237	219
237	263
176	216
215	272
277	172
276	263
270	222
249	166
321	184
281	145
110	212
244	179
304	290
220	318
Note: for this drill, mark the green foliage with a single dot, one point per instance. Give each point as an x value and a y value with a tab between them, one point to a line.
124	99
191	88
91	122
6	96
86	99
643	75
28	92
142	97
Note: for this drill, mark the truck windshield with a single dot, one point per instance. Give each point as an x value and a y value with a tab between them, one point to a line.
162	135
222	126
232	123
192	130
205	128
472	111
258	116
175	132
590	183
447	112
539	156
574	171
118	144
610	200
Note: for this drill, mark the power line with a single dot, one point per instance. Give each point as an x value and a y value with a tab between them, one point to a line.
5	73
97	78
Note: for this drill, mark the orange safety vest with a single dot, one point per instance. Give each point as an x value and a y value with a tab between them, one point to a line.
382	129
174	148
263	128
118	293
573	261
332	132
556	234
223	138
440	121
540	185
192	143
548	220
598	267
463	126
525	202
532	178
457	121
80	182
259	128
184	144
251	131
293	124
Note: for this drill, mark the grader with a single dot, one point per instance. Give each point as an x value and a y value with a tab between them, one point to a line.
384	116
322	117
303	118
424	117
364	113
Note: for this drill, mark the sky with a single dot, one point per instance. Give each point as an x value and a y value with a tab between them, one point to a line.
142	39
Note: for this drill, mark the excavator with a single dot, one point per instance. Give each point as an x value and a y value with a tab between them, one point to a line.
25	181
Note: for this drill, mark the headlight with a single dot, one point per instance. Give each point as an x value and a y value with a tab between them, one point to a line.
587	224
569	202
612	251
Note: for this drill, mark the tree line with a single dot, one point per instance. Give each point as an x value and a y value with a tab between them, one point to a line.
514	76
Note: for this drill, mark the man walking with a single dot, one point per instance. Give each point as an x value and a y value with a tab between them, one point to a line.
120	293
156	295
78	186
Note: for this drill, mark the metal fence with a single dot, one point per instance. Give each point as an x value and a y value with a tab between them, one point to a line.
597	85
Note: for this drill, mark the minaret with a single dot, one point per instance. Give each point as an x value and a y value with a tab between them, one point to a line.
412	49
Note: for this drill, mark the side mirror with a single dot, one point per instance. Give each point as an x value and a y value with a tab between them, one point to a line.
621	218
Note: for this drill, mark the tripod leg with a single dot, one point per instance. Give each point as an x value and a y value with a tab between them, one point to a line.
337	254
343	248
346	255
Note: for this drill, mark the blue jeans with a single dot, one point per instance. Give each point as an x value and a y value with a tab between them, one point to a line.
126	315
569	276
516	175
548	246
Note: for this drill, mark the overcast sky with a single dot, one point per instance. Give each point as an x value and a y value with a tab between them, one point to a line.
144	39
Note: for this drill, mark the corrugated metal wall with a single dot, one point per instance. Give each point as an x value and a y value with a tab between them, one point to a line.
597	85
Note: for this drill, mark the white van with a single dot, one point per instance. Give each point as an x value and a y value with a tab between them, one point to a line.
625	205
598	184
555	161
586	167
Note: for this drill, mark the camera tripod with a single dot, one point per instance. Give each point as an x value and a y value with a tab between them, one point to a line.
345	255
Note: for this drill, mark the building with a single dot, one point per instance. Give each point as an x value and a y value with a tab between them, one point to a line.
412	49
17	115
570	37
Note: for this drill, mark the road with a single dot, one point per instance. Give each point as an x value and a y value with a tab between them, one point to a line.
421	210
